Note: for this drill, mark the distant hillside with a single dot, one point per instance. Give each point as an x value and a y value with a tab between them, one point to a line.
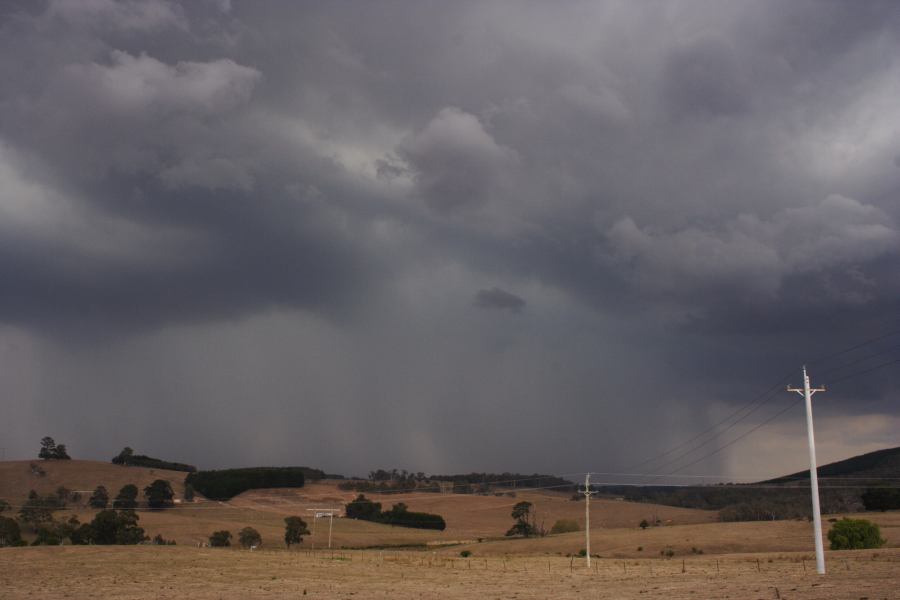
874	465
841	484
17	478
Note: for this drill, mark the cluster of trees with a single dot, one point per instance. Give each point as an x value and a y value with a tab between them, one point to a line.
525	524
738	502
128	458
367	510
50	450
110	526
382	480
485	483
294	530
107	526
10	533
158	495
881	499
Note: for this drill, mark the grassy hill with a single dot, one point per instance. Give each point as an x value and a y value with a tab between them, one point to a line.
17	478
469	517
474	522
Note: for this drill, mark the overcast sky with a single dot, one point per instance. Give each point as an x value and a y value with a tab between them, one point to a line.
447	236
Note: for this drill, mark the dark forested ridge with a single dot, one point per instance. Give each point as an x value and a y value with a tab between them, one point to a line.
227	483
864	482
873	465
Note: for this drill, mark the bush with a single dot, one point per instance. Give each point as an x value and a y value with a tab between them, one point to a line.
644	524
159	494
127	498
855	534
220	539
565	526
111	527
228	483
159	540
363	509
465	554
83	535
38	511
47	536
10	534
100	498
881	499
249	537
294	530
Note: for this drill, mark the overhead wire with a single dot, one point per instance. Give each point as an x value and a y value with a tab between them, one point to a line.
766	400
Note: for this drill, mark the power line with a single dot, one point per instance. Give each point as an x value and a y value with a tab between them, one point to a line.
854	347
857	374
762	400
714	426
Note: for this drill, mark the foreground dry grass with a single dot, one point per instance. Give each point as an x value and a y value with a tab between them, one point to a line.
179	572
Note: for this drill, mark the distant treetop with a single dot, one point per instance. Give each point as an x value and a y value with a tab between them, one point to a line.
51	451
128	458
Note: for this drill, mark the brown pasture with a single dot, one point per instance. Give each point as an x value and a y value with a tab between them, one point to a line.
182	572
16	478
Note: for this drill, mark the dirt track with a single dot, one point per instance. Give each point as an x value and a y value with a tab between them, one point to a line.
180	572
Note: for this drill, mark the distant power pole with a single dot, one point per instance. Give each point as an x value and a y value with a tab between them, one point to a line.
807	394
587	517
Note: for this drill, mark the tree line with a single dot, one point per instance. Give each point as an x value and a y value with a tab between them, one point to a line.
128	458
365	509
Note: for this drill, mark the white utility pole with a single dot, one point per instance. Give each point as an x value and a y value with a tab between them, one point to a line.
807	394
587	517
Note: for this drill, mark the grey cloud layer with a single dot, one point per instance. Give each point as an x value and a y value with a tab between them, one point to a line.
695	171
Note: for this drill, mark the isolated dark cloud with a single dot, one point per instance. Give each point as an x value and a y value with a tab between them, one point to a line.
496	298
216	205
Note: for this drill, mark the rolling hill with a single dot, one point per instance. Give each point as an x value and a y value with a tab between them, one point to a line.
17	478
841	483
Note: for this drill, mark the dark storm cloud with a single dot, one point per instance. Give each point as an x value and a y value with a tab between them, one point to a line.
673	186
499	299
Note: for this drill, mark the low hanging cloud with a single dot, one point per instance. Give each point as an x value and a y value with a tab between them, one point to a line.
455	162
753	256
499	299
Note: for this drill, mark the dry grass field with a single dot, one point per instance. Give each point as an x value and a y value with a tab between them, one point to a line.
17	479
179	572
468	517
738	560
